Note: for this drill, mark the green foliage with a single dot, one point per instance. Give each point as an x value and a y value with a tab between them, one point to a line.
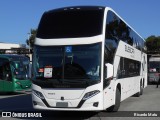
153	43
32	37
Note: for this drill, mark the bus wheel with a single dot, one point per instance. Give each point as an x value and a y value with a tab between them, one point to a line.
115	107
141	89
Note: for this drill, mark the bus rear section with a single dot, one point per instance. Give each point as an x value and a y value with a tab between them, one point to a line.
154	69
14	73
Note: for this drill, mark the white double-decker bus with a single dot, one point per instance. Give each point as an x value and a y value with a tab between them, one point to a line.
86	59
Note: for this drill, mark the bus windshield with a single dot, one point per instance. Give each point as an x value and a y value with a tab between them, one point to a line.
20	67
71	24
70	64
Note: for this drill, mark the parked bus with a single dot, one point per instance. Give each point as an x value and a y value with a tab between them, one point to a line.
14	73
154	69
86	59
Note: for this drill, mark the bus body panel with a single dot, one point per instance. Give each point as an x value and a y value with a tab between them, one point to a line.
21	85
8	85
68	41
69	97
68	94
129	83
1	85
14	71
109	94
15	85
145	70
129	51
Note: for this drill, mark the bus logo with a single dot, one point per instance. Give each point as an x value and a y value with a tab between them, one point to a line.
129	49
68	49
6	114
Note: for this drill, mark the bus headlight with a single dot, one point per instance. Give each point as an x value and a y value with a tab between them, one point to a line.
38	94
18	83
90	94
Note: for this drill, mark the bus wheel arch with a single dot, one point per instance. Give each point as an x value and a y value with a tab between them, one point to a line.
143	82
141	86
115	107
140	92
119	87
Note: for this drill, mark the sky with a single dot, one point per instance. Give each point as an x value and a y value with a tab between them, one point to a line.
17	17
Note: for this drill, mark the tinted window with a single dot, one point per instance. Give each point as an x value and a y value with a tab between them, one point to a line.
111	41
117	30
128	68
20	66
137	40
5	69
72	65
144	48
71	23
3	62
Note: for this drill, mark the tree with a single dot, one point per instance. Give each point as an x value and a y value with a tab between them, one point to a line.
153	43
31	39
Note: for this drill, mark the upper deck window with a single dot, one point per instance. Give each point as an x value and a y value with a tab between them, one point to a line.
71	23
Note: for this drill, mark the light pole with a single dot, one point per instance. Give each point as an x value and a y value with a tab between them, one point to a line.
30	56
29	34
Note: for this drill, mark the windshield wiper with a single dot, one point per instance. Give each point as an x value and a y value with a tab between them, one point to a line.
57	80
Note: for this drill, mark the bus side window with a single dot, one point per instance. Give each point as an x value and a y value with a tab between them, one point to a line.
1	72
120	70
157	69
1	69
111	38
6	71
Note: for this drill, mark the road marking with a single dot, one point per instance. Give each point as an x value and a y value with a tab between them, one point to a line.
15	95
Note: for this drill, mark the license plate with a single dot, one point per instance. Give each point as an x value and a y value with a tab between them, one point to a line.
62	104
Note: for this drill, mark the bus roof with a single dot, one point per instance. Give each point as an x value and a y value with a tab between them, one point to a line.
155	58
90	8
75	8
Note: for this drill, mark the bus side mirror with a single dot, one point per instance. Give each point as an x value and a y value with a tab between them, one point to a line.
109	71
16	66
8	77
30	71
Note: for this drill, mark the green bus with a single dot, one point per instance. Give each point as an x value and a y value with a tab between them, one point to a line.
14	73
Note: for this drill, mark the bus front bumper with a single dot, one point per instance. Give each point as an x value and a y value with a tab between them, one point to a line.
92	104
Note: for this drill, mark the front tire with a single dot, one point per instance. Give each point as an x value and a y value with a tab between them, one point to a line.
115	107
141	89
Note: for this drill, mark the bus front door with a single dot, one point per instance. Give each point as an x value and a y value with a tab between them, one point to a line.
1	85
8	86
7	76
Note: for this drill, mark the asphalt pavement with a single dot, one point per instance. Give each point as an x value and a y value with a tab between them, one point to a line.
145	107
